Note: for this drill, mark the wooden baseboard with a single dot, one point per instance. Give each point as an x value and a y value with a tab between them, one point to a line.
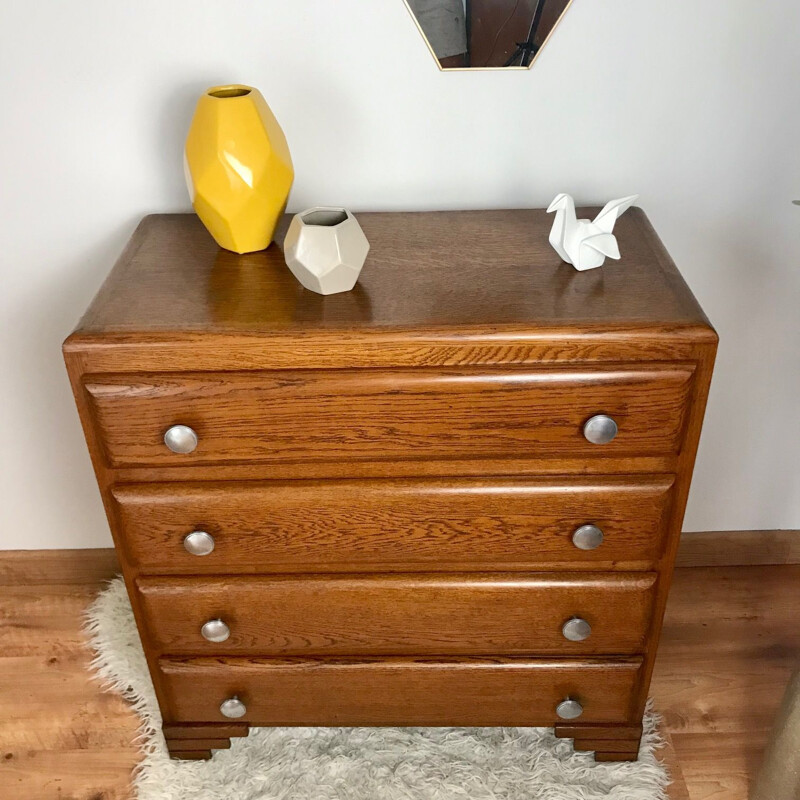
710	549
32	567
739	548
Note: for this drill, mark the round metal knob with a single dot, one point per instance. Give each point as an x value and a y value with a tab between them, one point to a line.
233	708
181	439
587	537
199	543
600	429
215	630
576	629
569	709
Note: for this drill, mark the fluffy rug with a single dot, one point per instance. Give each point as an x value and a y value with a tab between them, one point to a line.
359	763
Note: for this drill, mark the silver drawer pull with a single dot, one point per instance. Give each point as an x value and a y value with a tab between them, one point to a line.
233	708
215	630
576	629
600	429
587	537
569	709
199	543
181	439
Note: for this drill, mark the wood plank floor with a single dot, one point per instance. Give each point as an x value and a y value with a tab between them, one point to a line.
730	644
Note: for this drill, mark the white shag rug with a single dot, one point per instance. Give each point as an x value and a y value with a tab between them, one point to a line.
359	763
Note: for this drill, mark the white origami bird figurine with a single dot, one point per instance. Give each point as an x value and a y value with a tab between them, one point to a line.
586	243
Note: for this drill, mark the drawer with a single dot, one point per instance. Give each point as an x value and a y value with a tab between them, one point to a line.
374	415
395	525
399	691
439	614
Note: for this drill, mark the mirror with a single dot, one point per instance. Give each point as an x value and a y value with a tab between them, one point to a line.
481	34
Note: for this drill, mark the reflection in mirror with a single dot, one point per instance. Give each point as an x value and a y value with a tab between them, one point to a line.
486	33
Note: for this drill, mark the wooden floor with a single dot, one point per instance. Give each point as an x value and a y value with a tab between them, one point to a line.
730	643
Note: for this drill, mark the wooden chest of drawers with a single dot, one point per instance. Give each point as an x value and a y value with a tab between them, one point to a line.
450	497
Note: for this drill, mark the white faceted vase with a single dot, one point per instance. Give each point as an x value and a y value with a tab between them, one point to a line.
325	249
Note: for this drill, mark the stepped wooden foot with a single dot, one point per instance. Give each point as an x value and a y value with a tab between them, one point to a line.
195	742
608	742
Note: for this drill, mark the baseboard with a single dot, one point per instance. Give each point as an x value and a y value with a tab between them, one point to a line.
709	549
32	567
739	548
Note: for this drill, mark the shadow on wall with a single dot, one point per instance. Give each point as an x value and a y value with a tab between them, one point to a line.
170	132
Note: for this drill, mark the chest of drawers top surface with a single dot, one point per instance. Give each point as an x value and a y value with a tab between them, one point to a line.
485	283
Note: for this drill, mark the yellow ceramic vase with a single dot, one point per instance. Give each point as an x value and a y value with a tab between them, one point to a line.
238	167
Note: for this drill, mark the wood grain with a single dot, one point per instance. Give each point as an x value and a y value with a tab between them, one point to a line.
191	755
720	766
473	614
414	304
730	644
189	745
399	691
607	745
697	549
58	750
342	525
741	643
523	465
76	774
683	480
627	755
174	732
421	274
607	742
74	566
26	609
115	352
61	735
739	548
413	375
598	732
677	789
409	415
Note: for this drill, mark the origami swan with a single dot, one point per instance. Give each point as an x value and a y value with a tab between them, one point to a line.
586	243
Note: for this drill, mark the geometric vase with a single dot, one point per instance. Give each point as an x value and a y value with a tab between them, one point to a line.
325	249
238	167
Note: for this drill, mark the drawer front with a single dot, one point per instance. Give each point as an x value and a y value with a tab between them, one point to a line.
318	416
394	525
401	614
399	691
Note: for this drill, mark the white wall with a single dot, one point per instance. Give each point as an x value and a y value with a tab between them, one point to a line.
694	105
